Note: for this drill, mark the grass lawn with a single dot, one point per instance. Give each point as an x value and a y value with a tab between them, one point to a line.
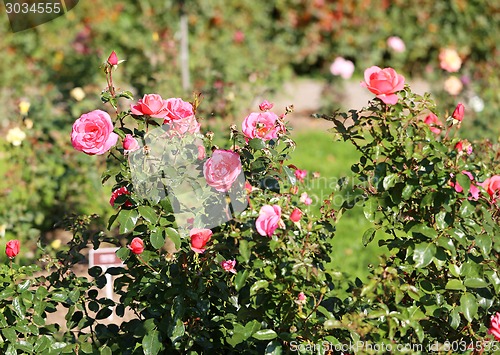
317	151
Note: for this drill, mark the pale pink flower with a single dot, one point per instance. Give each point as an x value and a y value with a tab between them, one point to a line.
260	125
185	125
201	152
492	186
449	60
384	83
93	133
453	85
268	220
228	265
177	109
305	199
222	169
396	44
342	67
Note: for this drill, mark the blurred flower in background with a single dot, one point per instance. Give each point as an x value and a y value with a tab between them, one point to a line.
453	85
15	136
77	93
449	60
342	67
476	103
396	44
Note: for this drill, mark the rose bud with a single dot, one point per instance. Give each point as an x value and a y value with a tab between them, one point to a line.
113	59
12	248
296	215
136	246
458	114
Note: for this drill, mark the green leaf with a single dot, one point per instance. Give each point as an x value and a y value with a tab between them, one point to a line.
274	348
265	334
455	284
425	230
123	253
157	239
464	182
105	350
261	284
174	237
423	254
408	191
475	282
127	220
9	334
244	250
368	236
447	243
290	175
441	220
459	235
257	143
466	209
240	279
389	181
484	242
19	308
454	319
469	306
369	209
151	343
23	286
148	213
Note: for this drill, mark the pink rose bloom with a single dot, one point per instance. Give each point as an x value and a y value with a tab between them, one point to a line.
260	125
449	60
93	133
136	246
222	169
384	83
228	265
432	121
266	105
12	248
118	192
199	239
396	44
113	59
296	215
492	186
342	67
305	199
495	326
300	174
458	113
150	105
185	125
177	109
130	144
464	146
301	297
268	220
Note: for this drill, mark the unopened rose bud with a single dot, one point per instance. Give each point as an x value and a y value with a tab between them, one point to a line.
113	59
130	144
458	114
296	215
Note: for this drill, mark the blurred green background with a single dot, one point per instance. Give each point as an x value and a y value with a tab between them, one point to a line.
239	52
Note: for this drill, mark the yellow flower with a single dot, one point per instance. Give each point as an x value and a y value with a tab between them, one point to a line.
15	136
24	107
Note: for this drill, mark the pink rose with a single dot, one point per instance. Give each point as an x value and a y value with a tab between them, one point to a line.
130	144
296	215
492	186
458	113
222	169
301	297
118	192
199	239
177	109
12	248
201	152
93	133
113	59
136	246
228	265
185	125
150	105
342	67
384	83
433	122
396	44
266	105
495	326
305	199
268	220
260	125
449	60
300	174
